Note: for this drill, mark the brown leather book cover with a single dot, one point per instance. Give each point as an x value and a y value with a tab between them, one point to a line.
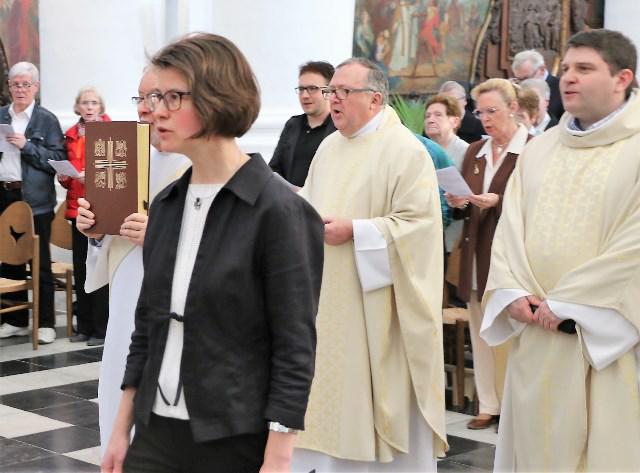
116	172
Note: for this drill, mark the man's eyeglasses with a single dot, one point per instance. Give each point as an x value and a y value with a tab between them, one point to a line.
342	92
310	89
20	85
491	111
172	100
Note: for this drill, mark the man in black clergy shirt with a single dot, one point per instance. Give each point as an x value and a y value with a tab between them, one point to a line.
303	134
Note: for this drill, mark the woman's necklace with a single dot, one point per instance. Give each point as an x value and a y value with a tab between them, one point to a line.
197	200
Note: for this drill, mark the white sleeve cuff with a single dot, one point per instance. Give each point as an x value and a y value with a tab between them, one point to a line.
97	265
497	327
606	333
372	256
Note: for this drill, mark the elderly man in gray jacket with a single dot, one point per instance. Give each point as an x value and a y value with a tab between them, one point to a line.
26	175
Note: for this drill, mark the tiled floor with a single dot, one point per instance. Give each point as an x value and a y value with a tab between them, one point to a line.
49	413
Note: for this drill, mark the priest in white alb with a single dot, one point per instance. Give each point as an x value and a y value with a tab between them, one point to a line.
564	282
377	398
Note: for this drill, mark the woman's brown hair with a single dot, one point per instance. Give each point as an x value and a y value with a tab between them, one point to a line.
223	88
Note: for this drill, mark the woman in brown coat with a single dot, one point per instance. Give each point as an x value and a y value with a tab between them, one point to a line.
487	165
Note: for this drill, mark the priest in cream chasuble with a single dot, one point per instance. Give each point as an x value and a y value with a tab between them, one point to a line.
567	247
377	398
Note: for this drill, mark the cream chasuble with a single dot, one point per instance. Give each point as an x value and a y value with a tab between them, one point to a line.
570	233
374	346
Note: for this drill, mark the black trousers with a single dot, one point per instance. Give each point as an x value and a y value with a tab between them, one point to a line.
166	446
42	227
93	308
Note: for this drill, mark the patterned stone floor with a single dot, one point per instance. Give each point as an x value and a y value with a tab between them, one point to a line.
49	412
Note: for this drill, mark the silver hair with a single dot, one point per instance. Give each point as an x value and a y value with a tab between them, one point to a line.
537	84
84	90
529	55
21	68
453	86
376	78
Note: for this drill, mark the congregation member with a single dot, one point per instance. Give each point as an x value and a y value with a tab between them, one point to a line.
302	134
117	260
377	399
93	308
440	160
530	64
441	120
26	175
487	166
544	121
528	109
222	355
564	280
470	129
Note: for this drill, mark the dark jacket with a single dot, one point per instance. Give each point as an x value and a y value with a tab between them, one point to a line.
471	129
556	109
249	322
282	159
553	122
44	141
479	225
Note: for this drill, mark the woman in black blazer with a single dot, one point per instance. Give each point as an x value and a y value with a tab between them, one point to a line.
221	359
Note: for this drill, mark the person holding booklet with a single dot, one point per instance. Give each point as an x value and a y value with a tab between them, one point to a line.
486	168
93	308
222	356
117	260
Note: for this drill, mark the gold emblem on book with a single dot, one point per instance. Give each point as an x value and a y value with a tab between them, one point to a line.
100	180
110	165
121	180
99	148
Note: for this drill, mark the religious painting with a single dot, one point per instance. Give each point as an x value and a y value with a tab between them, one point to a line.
19	38
420	43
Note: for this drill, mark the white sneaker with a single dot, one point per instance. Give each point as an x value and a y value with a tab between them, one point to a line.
46	335
8	330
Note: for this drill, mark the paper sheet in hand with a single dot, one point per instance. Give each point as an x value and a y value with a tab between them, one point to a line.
4	144
64	167
451	181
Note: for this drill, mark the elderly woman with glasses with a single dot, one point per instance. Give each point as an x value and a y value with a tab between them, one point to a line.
486	167
222	356
93	307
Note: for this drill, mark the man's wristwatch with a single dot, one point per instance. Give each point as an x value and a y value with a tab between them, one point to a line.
278	427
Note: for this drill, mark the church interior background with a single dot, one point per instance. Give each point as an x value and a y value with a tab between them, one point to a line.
48	409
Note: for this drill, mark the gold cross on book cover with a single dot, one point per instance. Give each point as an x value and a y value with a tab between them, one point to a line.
117	172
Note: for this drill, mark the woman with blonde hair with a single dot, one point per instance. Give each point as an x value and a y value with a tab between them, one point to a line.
486	167
93	307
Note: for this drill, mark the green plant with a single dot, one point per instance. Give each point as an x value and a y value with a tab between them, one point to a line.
410	111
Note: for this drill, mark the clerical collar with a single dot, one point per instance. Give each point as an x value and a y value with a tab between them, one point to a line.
371	126
574	128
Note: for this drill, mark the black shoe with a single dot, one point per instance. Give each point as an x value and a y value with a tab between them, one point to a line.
78	337
95	342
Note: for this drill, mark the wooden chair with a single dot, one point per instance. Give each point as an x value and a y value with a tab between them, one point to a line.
459	318
20	245
63	272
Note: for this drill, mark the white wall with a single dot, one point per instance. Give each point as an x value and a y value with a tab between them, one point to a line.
622	15
104	43
93	42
